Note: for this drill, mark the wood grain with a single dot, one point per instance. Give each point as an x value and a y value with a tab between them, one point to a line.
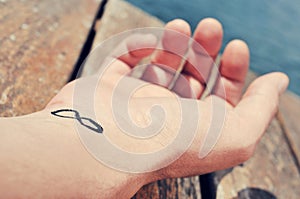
289	115
40	42
171	188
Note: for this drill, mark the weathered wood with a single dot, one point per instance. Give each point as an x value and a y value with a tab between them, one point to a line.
270	173
289	115
171	188
120	16
40	42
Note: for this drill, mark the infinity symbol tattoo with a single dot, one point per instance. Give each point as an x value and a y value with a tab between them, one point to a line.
94	127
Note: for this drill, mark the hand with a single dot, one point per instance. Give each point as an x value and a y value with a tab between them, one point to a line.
245	117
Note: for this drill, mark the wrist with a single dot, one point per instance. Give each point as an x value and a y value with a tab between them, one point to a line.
109	182
97	179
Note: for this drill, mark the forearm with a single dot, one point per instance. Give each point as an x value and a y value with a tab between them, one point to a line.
41	156
30	154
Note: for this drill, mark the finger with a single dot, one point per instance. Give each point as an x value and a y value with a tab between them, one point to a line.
207	43
205	46
187	87
260	102
136	47
174	45
129	53
233	71
158	74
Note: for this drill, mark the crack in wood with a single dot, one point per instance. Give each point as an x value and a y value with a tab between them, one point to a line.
87	46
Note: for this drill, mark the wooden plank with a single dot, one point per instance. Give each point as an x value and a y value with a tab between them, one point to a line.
171	188
270	173
120	16
289	115
40	42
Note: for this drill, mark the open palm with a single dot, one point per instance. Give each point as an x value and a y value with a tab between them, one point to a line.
244	117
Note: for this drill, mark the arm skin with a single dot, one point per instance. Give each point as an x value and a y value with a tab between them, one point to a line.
41	155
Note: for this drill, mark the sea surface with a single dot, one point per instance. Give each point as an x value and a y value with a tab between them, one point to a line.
270	27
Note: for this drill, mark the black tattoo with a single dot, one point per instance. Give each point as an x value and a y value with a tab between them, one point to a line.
97	127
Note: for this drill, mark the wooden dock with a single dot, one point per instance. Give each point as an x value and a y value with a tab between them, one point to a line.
41	44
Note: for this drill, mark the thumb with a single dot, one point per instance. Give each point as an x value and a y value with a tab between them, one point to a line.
260	102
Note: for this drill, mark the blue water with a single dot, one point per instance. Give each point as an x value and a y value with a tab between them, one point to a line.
270	27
